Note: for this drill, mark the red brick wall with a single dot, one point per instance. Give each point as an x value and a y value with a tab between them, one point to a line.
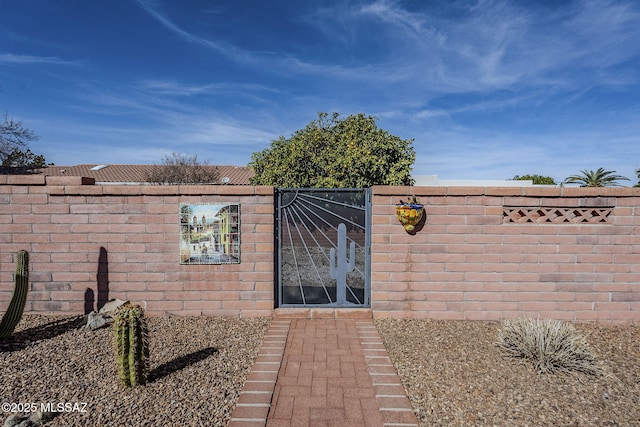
467	262
69	228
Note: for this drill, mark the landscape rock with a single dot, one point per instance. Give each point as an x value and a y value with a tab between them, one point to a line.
33	419
96	320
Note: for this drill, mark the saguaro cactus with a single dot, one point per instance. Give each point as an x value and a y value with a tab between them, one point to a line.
132	344
16	307
338	268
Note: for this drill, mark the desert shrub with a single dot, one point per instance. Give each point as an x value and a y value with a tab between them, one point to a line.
551	346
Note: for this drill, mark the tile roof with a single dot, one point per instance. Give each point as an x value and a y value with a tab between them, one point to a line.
135	174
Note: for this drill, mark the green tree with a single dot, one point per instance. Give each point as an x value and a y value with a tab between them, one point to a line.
24	160
537	179
335	152
182	169
598	178
638	174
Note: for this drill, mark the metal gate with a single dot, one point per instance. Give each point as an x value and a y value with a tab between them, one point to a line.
323	239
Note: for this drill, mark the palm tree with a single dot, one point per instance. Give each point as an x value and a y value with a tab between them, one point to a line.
599	178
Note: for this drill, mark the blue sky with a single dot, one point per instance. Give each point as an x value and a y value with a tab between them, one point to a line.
488	89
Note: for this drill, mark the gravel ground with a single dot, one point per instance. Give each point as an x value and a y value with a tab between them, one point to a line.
453	373
198	367
455	376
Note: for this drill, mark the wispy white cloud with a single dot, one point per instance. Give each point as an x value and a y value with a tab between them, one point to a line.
210	135
497	56
9	58
171	87
487	88
388	11
175	88
153	8
150	120
502	45
164	110
220	130
603	33
456	151
428	114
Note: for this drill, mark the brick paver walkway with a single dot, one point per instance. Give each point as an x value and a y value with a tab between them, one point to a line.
322	372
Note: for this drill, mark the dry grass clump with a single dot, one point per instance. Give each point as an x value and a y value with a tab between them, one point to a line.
552	346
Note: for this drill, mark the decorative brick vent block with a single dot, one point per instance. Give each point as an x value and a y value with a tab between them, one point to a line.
564	215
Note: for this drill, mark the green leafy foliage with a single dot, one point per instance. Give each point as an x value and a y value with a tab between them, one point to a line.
537	179
24	160
334	152
598	178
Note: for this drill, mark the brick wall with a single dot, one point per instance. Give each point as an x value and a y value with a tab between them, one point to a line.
481	253
489	253
96	242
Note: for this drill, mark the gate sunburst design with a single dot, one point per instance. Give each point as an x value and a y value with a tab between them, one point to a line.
307	224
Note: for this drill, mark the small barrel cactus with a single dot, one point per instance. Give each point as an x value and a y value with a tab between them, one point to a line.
132	344
16	307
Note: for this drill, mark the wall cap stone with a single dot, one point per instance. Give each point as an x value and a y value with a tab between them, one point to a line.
577	192
25	179
69	180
